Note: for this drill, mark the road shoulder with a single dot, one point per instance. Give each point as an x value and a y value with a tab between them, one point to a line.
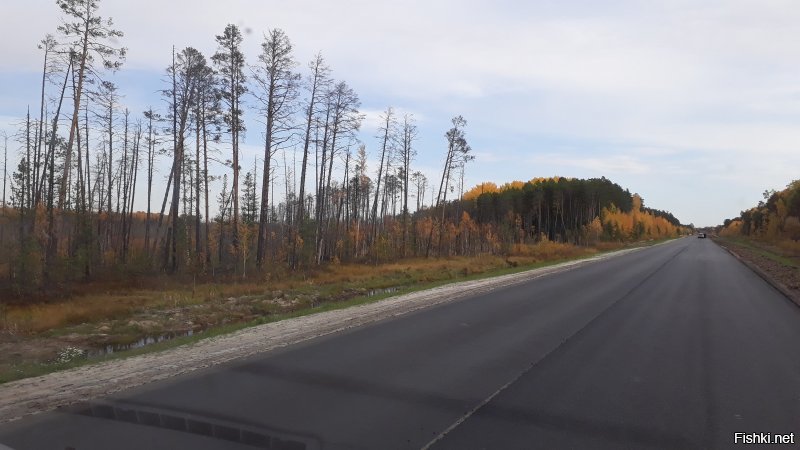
782	277
44	393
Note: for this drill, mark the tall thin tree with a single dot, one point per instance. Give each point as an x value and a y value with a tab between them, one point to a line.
386	133
407	154
188	69
458	152
229	61
89	37
277	92
315	84
5	167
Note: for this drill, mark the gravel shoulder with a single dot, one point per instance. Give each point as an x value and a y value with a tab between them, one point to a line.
783	277
34	395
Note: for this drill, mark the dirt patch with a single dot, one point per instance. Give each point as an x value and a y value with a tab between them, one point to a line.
47	392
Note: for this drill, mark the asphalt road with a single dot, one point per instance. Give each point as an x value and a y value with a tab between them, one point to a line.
675	346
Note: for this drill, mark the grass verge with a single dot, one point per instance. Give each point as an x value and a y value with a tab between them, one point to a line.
426	274
764	249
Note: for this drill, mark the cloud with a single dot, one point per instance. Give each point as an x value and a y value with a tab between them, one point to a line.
375	119
704	90
606	164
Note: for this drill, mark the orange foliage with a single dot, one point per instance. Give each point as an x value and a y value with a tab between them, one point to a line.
482	188
733	229
636	224
488	187
516	184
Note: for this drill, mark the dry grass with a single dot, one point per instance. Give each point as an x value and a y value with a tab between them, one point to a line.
789	247
77	310
101	301
549	250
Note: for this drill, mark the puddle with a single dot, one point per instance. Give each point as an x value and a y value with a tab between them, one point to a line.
388	290
147	340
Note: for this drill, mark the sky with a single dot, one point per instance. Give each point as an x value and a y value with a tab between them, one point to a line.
694	105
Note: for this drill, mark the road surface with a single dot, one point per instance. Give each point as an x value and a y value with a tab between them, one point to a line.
675	346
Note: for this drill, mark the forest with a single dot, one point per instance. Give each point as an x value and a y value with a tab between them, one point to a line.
776	218
85	161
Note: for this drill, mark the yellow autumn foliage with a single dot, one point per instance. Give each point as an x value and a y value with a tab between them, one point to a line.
636	224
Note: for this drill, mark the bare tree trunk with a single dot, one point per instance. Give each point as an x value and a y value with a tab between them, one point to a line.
409	133
197	240
5	168
124	184
88	194
134	176
77	102
205	186
177	161
110	173
387	127
317	80
150	161
89	30
48	43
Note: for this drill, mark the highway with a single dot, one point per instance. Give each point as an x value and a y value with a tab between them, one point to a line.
675	346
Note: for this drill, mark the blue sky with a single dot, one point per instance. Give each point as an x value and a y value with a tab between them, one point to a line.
695	105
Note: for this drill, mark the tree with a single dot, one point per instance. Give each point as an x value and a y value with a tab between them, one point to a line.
151	142
249	199
49	66
187	71
421	183
386	133
407	154
206	114
5	167
344	120
89	37
457	154
229	61
277	92
317	80
108	100
224	201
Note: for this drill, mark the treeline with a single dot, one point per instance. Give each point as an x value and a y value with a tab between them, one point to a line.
565	210
775	218
85	162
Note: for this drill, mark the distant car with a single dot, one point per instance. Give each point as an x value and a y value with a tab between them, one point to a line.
701	235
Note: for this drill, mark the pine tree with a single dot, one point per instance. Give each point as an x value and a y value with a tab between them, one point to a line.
229	61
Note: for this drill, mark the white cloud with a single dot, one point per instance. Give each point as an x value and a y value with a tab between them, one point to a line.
375	119
630	87
606	164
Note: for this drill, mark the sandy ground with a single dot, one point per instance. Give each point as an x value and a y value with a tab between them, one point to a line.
34	395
